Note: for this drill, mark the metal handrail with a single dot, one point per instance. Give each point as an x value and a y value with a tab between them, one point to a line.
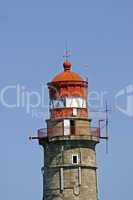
43	133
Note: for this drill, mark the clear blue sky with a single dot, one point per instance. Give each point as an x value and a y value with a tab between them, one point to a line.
32	43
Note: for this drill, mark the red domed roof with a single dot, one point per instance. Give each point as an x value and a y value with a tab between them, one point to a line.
67	75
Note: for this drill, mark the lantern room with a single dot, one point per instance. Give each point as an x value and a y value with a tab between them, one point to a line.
68	94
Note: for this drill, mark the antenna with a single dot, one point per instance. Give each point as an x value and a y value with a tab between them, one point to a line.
107	122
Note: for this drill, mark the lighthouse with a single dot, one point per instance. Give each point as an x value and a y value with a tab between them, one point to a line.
69	141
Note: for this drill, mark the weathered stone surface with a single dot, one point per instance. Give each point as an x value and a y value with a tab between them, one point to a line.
79	180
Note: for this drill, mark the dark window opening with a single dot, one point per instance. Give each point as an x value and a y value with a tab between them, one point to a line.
75	159
72	125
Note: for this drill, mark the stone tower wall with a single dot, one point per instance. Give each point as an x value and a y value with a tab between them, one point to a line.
65	180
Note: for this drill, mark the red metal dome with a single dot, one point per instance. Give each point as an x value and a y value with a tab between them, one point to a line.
67	75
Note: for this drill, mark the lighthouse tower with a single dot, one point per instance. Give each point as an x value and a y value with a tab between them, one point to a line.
69	171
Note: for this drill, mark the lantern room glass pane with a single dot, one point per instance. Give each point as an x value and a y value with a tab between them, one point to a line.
75	102
68	102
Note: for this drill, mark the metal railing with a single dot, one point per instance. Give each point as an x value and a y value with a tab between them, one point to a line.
43	133
95	131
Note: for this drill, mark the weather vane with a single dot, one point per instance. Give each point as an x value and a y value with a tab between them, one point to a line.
67	53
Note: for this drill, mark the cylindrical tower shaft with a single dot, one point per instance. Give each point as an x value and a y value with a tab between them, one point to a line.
70	169
69	148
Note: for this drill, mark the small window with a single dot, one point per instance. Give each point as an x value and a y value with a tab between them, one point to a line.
75	159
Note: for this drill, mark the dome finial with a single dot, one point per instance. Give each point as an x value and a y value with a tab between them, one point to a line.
67	64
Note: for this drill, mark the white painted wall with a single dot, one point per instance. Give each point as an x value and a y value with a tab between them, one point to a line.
66	127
